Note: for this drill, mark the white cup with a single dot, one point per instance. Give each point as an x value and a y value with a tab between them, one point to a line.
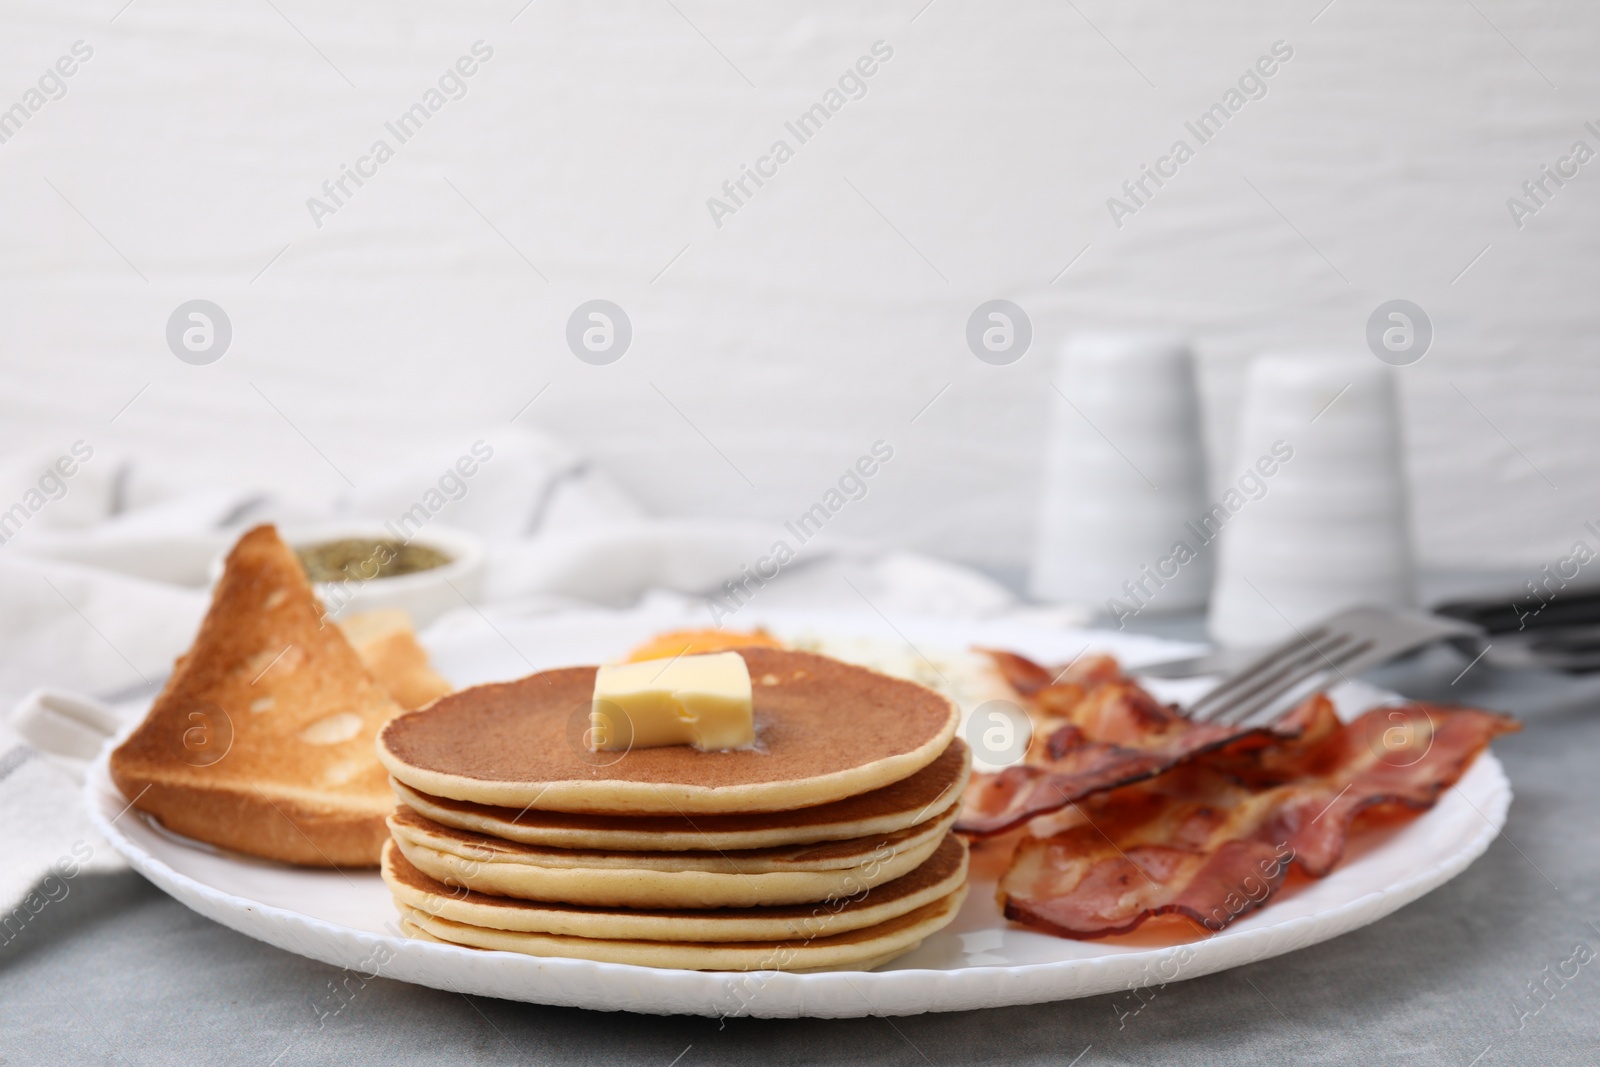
1332	529
1124	470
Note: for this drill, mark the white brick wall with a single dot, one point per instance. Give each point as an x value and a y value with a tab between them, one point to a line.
806	326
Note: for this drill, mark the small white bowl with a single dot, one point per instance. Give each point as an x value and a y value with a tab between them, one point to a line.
424	595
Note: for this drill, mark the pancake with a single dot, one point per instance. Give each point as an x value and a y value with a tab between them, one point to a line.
825	730
747	879
411	827
860	949
939	876
925	795
416	933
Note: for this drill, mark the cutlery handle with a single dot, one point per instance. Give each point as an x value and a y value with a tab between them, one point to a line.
1518	613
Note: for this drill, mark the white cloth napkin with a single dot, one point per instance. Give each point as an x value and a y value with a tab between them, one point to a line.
104	586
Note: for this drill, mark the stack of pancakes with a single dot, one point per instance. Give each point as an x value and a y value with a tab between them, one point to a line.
826	845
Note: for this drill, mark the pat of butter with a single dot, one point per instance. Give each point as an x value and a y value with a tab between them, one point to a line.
702	701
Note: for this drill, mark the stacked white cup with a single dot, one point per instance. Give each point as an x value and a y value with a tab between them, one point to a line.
1332	530
1124	470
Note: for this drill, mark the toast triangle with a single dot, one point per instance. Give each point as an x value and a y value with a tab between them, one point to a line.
389	649
262	741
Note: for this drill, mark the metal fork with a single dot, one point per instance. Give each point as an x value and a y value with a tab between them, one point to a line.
1268	686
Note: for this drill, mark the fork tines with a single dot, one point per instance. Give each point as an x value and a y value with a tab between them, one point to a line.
1336	648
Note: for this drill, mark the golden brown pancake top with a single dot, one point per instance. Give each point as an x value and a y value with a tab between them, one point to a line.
814	716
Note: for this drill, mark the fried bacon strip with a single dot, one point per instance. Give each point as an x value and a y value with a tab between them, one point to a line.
1215	839
1101	730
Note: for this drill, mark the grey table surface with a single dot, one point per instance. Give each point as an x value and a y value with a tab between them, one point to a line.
1471	974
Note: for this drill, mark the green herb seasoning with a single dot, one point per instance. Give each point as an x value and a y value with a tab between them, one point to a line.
360	559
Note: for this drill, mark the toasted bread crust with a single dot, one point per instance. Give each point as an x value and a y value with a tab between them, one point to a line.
275	828
262	739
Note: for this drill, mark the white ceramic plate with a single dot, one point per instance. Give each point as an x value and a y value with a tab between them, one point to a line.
348	920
